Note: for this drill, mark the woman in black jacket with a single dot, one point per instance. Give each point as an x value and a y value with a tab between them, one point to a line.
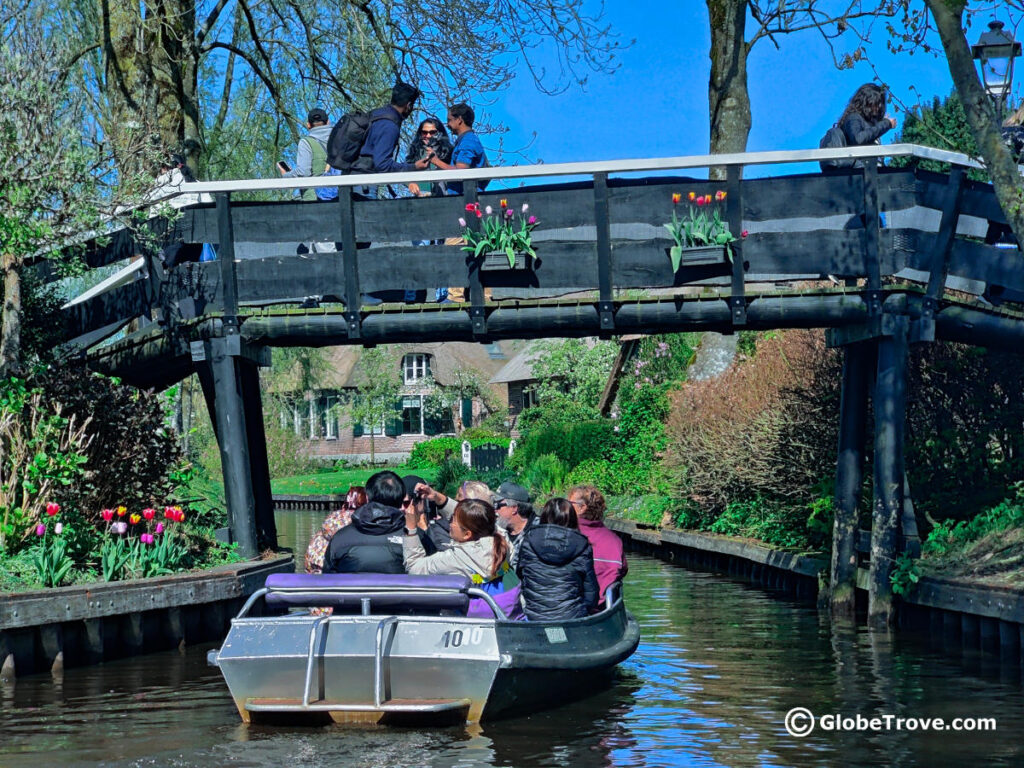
864	119
556	567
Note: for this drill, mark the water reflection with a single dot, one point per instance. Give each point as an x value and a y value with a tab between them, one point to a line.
719	665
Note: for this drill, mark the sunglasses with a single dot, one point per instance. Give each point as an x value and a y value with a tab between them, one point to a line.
427	133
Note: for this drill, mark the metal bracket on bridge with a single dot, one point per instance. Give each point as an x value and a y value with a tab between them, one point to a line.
477	310
602	220
734	215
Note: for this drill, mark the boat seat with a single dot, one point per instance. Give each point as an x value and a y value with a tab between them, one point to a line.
395	593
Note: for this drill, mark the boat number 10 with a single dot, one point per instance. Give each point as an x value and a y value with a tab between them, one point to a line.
455	638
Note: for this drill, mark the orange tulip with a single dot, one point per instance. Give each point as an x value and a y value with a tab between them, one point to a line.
707	199
676	197
135	519
504	203
692	195
720	195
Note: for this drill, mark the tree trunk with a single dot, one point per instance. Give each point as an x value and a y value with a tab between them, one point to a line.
981	113
728	98
10	318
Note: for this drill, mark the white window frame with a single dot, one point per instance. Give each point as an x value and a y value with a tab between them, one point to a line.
330	419
415	367
422	415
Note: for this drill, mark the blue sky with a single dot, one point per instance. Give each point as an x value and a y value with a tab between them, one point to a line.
656	104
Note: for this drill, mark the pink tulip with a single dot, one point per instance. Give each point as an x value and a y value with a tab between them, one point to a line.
52	509
40	529
146	538
58	529
159	527
508	213
462	222
744	233
532	220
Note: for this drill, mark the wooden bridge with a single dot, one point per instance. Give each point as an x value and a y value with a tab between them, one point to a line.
602	269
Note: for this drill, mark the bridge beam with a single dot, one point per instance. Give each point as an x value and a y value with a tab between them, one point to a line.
858	359
887	507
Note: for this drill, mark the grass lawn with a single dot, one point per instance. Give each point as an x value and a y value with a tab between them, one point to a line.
337	481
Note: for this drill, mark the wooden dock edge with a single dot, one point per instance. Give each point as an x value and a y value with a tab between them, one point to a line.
88	623
953	613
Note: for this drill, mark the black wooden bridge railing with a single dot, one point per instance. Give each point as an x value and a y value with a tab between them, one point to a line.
602	269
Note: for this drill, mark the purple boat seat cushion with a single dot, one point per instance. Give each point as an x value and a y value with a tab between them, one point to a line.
386	591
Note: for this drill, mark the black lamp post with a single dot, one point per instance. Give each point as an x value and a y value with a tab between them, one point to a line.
995	52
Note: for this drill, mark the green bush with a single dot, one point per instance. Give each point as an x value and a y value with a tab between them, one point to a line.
546	474
452	473
571	443
432	453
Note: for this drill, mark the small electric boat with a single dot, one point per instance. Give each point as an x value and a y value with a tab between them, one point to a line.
399	648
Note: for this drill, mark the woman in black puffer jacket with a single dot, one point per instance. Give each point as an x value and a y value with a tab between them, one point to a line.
864	119
556	567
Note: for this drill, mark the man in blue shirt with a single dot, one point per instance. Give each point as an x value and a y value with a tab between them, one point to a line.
467	152
378	152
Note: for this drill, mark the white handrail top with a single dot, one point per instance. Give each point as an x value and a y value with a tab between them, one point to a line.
585	168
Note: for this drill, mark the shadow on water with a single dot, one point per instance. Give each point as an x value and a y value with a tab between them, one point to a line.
719	665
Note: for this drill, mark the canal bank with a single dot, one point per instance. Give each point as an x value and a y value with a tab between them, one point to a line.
53	629
957	615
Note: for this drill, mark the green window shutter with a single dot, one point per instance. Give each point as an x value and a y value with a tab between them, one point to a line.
357	429
431	424
467	413
393	423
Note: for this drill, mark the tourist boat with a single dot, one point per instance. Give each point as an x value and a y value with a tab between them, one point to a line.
399	648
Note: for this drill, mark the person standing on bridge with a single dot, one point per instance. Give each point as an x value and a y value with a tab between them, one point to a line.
864	121
311	152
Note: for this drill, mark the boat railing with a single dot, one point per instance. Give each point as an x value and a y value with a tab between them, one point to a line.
612	596
392	593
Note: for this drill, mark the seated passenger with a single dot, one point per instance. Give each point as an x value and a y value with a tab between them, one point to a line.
334	522
372	543
434	529
609	559
470	489
478	550
556	567
515	514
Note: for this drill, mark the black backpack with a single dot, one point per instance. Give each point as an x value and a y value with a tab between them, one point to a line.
348	136
834	138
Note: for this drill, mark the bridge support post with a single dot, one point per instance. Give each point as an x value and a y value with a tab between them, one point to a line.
222	384
259	466
857	361
887	508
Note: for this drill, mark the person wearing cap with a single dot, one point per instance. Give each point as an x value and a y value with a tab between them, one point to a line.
311	152
515	514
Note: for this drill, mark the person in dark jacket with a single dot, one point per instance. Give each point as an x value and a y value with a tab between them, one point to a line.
372	542
556	567
864	120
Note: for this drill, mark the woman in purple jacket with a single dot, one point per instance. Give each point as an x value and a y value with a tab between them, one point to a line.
609	559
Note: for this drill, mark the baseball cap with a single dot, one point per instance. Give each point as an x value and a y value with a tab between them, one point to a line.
511	492
317	115
410	481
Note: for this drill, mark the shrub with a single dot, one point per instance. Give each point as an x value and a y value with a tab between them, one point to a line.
545	474
432	453
571	443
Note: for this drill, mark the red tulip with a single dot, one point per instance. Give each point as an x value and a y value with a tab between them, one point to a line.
107	514
180	517
52	509
472	207
720	195
744	233
149	513
169	513
700	200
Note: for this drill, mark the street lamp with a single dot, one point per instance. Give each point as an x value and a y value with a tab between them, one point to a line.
996	50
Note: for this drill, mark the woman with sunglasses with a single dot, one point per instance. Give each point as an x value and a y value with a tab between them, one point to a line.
478	549
431	140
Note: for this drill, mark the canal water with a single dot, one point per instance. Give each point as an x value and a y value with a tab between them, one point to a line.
719	666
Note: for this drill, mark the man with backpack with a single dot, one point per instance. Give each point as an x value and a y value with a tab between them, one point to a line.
366	143
311	153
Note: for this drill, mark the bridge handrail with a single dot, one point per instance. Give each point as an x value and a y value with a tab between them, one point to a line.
582	168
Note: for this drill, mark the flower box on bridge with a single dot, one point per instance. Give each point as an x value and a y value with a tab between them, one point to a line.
701	255
499	261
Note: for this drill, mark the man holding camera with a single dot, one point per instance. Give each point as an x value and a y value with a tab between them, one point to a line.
311	152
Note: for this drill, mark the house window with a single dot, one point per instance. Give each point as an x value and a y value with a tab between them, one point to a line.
313	421
327	407
529	398
412	415
415	368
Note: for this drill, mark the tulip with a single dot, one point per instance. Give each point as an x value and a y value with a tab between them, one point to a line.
107	515
532	220
121	511
169	513
149	513
676	197
692	195
508	214
58	528
488	210
700	201
120	527
40	529
159	527
526	207
52	509
471	207
707	199
135	519
479	215
146	538
181	516
720	195
504	203
744	233
462	222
